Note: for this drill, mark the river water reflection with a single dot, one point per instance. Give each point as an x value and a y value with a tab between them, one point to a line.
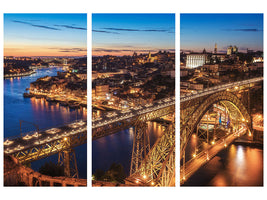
238	165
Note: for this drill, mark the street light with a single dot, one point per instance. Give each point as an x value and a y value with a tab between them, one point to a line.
37	128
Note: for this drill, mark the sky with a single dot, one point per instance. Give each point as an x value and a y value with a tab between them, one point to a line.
199	31
123	34
45	35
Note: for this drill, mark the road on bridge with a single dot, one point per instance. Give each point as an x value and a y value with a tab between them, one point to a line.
195	163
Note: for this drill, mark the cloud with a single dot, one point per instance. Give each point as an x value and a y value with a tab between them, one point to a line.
136	30
244	30
106	50
100	31
36	25
48	27
73	50
72	27
121	29
131	50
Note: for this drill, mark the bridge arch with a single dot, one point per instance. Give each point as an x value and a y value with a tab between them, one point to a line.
192	122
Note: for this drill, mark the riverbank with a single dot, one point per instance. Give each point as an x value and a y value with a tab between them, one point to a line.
20	74
63	102
248	143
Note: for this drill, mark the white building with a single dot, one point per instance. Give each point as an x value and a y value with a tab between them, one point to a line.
195	60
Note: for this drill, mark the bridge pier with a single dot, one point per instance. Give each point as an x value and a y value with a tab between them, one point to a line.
67	158
141	146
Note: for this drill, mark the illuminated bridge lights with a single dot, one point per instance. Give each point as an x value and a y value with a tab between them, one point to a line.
19	147
36	134
208	158
48	139
112	114
53	131
8	151
8	142
27	137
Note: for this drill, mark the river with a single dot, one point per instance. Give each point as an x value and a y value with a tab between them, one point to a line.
117	148
237	165
39	112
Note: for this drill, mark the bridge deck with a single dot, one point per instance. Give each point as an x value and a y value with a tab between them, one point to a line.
194	164
218	88
119	115
34	139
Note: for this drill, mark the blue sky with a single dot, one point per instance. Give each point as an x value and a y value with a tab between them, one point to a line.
199	31
45	34
122	34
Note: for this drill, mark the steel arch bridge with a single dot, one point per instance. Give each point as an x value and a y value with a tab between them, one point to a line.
190	122
235	99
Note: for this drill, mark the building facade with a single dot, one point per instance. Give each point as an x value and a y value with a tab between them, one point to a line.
195	60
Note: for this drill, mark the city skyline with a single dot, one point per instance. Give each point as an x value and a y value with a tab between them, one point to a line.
45	35
123	34
199	31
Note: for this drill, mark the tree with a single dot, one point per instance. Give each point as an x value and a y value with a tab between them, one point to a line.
99	174
51	169
114	174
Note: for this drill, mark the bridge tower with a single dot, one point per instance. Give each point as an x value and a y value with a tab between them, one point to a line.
141	146
67	159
